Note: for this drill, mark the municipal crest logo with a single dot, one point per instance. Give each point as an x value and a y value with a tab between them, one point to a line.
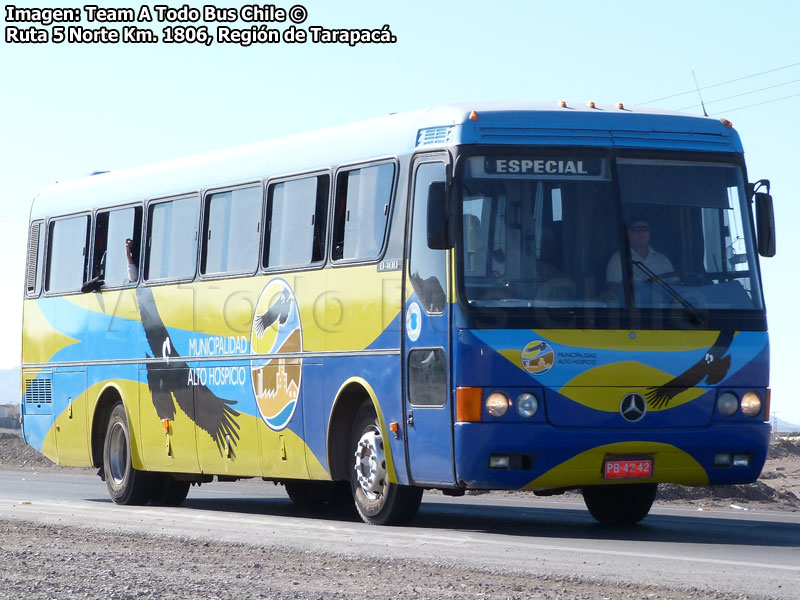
276	331
537	357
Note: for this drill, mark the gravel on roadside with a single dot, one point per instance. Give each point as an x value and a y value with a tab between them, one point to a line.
44	561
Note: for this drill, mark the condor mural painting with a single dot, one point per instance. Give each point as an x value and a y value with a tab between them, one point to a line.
168	387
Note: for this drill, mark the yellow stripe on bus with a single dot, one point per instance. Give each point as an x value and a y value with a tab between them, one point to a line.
40	342
670	464
627	341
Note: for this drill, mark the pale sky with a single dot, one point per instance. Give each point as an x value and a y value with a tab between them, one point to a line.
69	109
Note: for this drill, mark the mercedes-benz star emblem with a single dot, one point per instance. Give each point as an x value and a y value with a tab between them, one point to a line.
633	407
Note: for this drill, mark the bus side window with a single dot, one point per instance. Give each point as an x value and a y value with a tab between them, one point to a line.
232	230
171	251
296	217
67	254
362	211
110	260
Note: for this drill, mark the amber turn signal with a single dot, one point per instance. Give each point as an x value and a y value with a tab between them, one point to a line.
468	404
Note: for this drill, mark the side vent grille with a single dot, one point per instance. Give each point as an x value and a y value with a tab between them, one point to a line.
33	251
433	135
38	390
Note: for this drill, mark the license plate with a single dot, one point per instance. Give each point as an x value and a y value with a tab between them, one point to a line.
628	469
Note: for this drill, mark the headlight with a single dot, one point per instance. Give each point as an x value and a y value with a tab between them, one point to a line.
728	404
497	404
527	405
751	404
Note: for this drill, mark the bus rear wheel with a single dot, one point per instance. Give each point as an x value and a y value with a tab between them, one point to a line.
125	484
620	504
377	500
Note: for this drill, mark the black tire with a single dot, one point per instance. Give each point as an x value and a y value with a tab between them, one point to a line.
625	504
169	491
125	484
377	501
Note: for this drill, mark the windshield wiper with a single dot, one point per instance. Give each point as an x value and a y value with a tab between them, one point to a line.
653	277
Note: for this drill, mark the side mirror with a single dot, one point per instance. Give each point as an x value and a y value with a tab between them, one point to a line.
765	224
438	230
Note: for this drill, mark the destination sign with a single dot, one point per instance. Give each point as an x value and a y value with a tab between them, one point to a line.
569	167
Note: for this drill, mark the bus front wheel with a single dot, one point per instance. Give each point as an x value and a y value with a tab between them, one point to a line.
620	504
126	485
378	501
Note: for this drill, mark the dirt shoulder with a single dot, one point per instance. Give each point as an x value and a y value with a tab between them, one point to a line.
778	487
16	455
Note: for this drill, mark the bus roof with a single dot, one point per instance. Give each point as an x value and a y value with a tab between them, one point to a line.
394	135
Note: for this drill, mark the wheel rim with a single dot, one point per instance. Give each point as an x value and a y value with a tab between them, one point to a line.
118	452
370	464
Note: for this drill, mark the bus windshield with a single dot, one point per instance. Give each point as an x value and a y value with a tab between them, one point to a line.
555	231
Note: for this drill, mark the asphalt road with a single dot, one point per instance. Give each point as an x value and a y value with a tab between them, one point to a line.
731	552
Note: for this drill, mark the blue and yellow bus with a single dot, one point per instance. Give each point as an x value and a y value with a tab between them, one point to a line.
541	298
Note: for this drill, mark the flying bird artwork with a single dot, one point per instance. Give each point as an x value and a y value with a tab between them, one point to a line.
537	348
712	367
279	311
168	386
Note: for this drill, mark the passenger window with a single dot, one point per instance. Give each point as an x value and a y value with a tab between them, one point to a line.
296	216
362	211
232	230
66	256
117	239
172	239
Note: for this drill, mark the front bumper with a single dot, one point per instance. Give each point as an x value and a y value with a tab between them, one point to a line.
543	457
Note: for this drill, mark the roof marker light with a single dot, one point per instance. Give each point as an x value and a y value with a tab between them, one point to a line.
590	104
563	104
620	106
727	123
473	116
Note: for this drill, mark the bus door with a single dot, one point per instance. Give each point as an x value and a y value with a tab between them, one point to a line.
72	431
428	411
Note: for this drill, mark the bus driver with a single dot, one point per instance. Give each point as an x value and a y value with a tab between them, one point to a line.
641	251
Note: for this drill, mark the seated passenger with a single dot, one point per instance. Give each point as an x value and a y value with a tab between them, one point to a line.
133	268
641	251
